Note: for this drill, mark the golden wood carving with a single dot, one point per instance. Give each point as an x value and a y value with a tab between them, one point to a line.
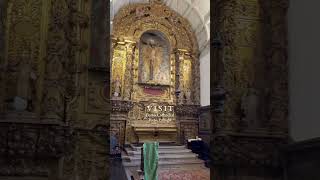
253	69
118	70
46	53
25	50
146	37
133	20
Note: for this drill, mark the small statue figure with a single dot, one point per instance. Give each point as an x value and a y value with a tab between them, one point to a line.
180	93
181	97
140	12
188	96
127	94
117	87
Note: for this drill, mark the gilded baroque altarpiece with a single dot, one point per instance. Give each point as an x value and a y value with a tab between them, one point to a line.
155	74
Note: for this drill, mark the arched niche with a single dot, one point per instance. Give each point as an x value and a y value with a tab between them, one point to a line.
154	58
133	20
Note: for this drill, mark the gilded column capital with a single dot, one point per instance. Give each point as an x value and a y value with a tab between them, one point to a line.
130	45
182	52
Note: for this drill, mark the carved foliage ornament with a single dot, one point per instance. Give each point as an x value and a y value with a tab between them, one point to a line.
23	50
121	105
89	157
30	141
60	86
250	61
154	17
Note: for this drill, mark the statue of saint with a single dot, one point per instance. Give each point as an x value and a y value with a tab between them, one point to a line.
117	87
188	96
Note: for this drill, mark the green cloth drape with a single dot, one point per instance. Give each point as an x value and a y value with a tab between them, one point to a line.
150	153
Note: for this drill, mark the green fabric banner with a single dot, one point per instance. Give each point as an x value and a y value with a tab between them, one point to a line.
150	153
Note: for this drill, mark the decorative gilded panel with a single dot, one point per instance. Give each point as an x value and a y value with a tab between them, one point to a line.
252	128
187	80
24	52
118	68
63	84
89	159
242	25
133	20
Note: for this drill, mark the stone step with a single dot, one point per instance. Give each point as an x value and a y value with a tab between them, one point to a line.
177	161
161	151
161	147
166	164
170	156
163	157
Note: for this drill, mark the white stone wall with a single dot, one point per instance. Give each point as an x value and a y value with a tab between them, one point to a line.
205	78
304	71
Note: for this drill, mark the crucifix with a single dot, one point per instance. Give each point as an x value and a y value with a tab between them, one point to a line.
152	59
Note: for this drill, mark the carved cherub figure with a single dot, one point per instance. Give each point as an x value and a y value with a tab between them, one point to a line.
140	12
